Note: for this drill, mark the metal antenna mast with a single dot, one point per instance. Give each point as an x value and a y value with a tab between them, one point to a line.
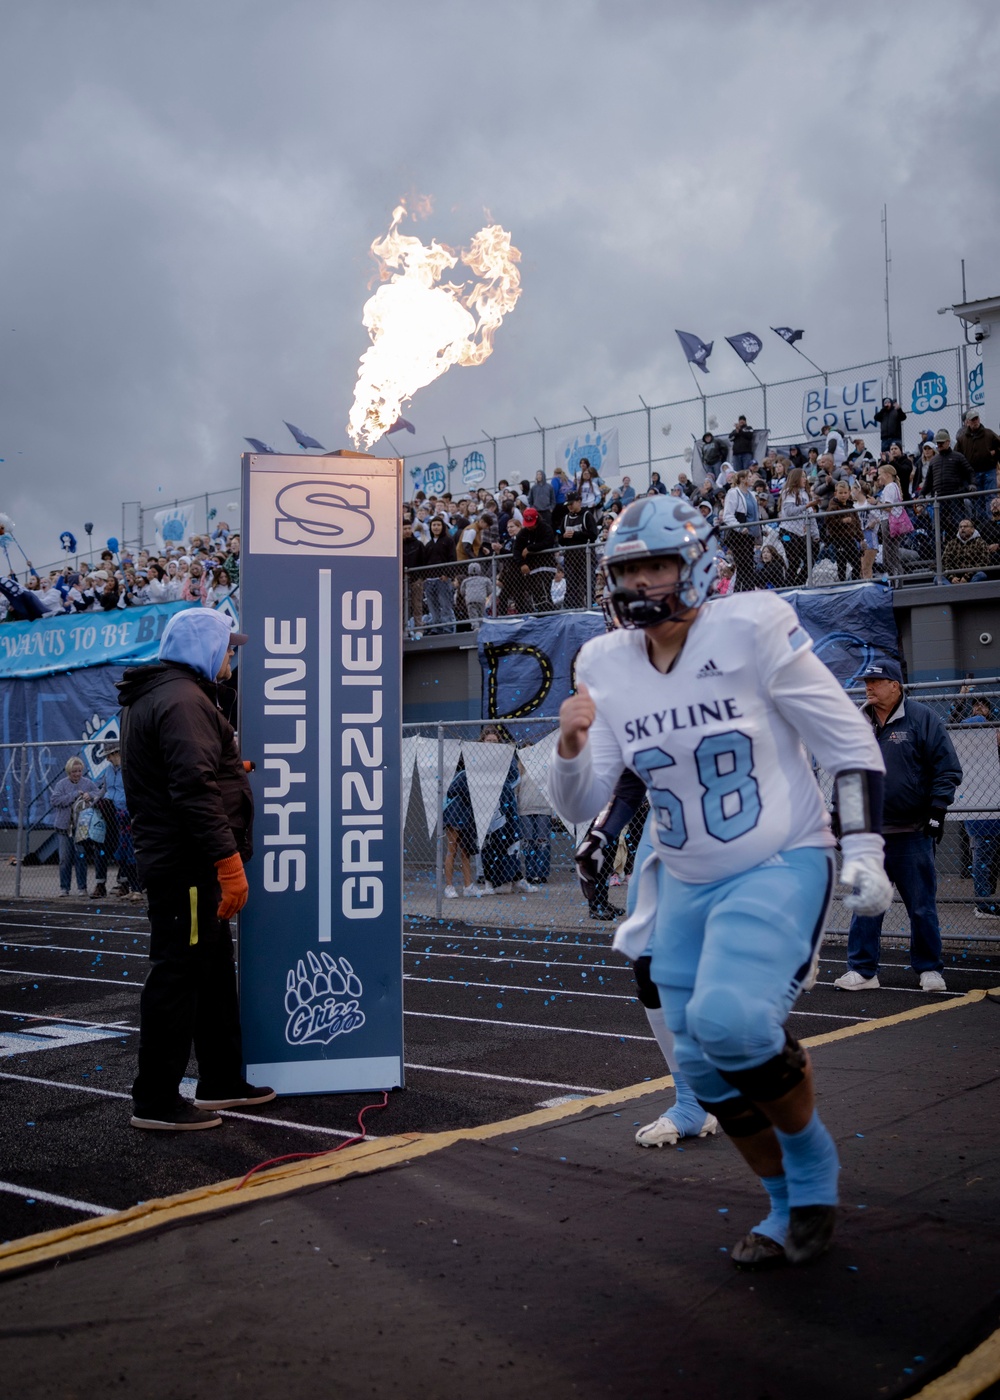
888	327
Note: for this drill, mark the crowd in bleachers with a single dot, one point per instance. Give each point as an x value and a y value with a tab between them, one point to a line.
206	571
816	515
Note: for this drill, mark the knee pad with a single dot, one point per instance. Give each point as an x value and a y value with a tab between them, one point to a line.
646	987
773	1079
732	1027
738	1117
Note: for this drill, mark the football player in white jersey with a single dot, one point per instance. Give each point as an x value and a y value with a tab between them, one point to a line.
715	704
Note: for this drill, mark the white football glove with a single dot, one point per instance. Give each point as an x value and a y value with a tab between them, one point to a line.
864	872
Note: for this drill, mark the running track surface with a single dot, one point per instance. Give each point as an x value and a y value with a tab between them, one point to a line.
498	1021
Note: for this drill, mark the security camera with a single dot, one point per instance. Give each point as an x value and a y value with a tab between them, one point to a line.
985	638
981	333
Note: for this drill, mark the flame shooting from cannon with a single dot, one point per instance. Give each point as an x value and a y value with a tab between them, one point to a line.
420	326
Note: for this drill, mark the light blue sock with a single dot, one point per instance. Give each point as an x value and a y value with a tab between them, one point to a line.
687	1114
775	1225
811	1165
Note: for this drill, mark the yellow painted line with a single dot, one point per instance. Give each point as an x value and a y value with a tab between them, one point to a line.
364	1158
973	1374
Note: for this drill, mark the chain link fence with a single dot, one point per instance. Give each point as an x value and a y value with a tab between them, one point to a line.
932	388
59	835
483	845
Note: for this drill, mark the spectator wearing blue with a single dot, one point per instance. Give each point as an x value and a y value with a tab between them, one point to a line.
117	844
72	856
627	492
655	484
922	772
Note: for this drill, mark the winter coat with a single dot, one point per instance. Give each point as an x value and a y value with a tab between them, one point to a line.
980	447
440	550
187	791
534	547
966	556
921	766
948	473
890	422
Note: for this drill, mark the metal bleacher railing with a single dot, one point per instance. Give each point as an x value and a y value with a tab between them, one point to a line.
441	598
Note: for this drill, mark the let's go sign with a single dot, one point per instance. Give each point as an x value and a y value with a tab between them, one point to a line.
320	712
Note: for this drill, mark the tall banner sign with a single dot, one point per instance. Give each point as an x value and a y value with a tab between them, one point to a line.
850	408
320	712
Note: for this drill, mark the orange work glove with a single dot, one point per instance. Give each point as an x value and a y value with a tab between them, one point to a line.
235	890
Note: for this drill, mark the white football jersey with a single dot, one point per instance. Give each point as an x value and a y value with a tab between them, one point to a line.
721	740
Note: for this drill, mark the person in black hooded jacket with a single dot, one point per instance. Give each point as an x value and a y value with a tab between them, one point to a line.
192	823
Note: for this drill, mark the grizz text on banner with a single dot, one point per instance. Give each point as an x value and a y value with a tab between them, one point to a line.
320	703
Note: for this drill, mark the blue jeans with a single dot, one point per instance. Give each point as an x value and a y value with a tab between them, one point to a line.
71	856
536	828
984	837
985	481
741	461
909	864
440	598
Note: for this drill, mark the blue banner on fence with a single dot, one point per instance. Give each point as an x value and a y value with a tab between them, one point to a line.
320	714
528	662
850	627
73	640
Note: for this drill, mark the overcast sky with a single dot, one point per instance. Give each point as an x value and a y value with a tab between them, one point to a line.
190	191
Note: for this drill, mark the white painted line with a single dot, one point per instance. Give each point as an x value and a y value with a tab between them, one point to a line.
510	1079
29	1040
79	928
324	758
530	1026
226	1112
29	1016
61	948
506	987
85	1207
486	958
65	977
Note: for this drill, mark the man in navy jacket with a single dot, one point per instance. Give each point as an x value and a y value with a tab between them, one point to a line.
922	772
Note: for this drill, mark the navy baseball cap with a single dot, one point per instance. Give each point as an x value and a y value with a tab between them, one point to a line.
883	671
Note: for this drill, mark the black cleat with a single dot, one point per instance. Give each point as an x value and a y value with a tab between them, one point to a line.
810	1230
755	1251
607	913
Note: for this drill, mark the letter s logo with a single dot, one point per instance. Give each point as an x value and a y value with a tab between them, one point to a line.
323	515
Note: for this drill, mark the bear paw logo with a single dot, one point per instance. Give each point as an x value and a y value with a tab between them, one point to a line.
322	1002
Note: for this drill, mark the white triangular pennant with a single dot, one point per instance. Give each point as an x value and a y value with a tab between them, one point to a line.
486	766
537	757
427	772
408	758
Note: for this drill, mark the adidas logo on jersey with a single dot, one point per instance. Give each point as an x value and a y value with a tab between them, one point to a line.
709	669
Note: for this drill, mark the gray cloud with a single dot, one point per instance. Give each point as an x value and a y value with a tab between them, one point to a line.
190	192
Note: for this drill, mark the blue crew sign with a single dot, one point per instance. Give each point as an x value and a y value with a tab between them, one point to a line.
320	713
